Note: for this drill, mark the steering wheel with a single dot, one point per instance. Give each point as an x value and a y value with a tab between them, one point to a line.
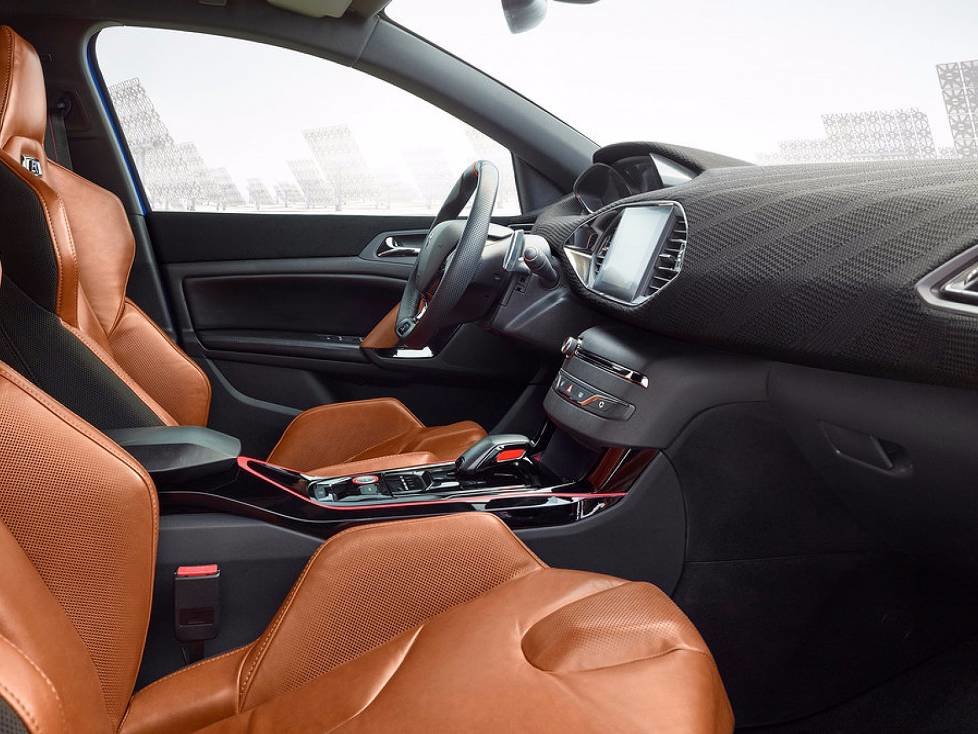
449	258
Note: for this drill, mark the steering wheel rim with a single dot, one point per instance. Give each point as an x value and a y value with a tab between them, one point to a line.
433	290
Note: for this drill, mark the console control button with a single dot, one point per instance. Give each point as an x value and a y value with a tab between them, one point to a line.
590	399
609	408
401	484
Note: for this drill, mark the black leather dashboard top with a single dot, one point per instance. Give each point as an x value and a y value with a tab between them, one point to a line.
815	264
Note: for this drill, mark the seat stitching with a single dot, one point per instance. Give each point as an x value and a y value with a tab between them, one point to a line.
10	77
656	656
43	675
50	223
192	666
405	435
373	699
26	368
174	345
138	391
72	174
326	407
27	712
376	458
176	673
99	439
270	633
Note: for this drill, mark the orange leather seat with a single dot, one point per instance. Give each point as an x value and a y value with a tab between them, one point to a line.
68	252
434	624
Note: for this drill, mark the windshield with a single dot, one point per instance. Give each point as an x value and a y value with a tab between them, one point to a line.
768	81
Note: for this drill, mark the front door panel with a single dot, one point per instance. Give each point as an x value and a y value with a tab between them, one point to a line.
279	334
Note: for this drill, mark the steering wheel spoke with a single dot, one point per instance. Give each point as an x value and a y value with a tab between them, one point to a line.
449	257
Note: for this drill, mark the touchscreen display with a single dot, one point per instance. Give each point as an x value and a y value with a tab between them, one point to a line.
638	238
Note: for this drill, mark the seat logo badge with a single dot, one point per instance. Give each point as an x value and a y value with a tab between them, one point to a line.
31	163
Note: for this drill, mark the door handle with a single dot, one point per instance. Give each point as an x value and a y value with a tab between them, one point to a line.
392	247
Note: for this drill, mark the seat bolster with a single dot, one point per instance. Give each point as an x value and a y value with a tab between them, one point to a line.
381	463
466	669
370	584
448	442
78	532
188	699
110	362
160	367
29	692
341	432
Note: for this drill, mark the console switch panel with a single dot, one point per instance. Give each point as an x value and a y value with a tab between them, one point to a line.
591	399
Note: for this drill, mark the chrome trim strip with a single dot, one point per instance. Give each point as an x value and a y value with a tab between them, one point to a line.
613	368
581	260
930	286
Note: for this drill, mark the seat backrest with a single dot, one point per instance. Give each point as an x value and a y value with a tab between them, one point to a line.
67	248
78	528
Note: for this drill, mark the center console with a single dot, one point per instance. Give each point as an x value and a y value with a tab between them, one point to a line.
617	398
550	481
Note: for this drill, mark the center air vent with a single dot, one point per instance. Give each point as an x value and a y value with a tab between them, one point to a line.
954	285
601	254
670	261
653	253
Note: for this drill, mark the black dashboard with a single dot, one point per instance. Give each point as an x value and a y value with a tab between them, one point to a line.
828	265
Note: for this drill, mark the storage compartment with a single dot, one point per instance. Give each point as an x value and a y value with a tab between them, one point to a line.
900	456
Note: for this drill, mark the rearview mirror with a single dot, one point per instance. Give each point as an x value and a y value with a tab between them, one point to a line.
525	15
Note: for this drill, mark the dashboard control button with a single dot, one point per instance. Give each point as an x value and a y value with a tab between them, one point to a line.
581	395
587	398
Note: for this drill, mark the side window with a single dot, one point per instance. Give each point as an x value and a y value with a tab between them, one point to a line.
219	124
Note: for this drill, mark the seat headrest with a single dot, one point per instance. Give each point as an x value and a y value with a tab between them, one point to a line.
23	104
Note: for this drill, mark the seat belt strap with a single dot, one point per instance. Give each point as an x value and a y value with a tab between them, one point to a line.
56	136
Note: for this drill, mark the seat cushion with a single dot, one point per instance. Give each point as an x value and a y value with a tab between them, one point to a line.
451	624
342	433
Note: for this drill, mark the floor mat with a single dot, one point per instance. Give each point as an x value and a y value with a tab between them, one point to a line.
939	696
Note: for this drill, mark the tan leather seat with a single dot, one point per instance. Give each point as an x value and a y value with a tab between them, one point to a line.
68	249
436	624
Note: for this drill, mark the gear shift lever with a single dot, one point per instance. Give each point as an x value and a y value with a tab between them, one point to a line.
492	451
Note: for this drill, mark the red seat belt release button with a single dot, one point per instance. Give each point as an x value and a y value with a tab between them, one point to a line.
209	569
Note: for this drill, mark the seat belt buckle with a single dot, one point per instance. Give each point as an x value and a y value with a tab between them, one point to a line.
196	606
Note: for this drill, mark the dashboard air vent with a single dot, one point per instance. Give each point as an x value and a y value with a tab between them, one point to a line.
601	254
670	261
630	252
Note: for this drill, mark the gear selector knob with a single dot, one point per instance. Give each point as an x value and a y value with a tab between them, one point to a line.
492	451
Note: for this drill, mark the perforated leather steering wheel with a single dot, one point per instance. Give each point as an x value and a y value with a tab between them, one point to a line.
449	258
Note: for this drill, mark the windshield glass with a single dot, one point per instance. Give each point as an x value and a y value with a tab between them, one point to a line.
764	80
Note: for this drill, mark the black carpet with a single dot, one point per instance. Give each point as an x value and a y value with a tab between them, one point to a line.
939	696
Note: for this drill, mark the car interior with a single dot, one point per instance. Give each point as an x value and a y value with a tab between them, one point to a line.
633	437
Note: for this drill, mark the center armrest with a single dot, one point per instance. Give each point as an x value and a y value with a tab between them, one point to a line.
176	455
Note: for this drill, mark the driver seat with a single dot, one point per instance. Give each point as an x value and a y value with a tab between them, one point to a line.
66	324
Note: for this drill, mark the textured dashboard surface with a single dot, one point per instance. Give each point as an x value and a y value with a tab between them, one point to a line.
816	265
